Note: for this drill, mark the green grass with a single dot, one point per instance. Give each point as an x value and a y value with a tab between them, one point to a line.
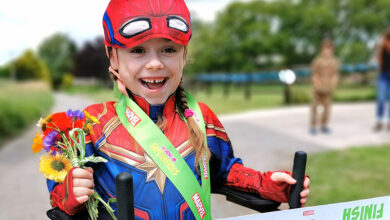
352	174
263	96
22	104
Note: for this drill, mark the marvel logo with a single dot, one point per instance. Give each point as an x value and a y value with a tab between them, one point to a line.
132	117
199	205
205	172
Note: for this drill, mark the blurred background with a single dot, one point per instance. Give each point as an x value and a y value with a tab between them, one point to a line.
52	57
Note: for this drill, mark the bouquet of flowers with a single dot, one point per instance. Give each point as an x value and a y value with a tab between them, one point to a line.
63	138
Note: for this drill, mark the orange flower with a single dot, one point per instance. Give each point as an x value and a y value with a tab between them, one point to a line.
37	145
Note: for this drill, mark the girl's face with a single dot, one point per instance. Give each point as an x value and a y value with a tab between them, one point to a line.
152	70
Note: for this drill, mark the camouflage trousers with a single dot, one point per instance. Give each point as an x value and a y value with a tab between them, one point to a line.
324	100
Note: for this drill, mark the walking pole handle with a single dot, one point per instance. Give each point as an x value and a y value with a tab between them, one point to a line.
125	196
299	175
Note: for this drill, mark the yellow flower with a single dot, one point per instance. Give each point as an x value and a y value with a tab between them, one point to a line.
37	143
54	167
89	129
43	122
91	118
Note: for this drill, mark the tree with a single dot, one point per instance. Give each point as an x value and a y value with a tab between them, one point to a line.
29	66
247	36
91	61
58	51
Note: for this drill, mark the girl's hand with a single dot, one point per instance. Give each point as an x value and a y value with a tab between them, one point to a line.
284	177
83	184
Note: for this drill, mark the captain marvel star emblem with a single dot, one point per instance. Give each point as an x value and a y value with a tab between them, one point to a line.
137	21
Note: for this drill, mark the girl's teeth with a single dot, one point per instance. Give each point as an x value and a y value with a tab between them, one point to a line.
153	81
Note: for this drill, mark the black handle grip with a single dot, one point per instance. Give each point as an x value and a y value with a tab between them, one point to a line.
299	175
124	196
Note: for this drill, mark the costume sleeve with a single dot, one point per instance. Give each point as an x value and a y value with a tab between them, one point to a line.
222	157
229	170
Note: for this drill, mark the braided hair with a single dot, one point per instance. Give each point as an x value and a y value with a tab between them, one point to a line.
196	136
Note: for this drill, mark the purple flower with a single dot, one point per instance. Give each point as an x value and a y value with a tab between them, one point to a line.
50	140
75	114
55	151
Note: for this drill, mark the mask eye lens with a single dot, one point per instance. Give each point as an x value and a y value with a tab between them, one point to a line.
135	27
177	23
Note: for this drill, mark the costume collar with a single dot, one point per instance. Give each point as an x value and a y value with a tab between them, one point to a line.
154	111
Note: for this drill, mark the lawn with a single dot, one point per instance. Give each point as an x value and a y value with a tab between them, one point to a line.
263	96
351	174
21	104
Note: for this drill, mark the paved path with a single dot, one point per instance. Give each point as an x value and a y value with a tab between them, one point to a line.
265	140
23	189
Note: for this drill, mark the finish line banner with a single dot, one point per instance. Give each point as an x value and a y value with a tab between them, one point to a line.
376	208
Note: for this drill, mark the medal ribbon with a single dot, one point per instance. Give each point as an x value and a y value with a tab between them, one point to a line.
165	155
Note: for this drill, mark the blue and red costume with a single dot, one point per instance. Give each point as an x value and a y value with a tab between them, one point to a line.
155	196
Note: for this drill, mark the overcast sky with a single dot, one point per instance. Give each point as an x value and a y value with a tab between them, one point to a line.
24	24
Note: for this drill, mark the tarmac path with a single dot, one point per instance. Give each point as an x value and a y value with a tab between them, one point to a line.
264	139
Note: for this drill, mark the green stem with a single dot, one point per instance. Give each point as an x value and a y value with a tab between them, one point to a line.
92	205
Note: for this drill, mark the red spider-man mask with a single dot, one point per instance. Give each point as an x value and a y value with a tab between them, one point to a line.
128	23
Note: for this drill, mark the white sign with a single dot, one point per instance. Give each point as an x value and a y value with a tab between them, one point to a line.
376	208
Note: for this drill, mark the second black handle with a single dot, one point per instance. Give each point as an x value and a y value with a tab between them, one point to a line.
124	196
299	175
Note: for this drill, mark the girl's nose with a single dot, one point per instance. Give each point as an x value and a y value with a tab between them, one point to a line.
154	63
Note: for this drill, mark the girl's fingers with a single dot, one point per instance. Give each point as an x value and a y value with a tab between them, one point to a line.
82	199
83	173
306	183
86	183
303	202
82	191
282	177
305	193
89	169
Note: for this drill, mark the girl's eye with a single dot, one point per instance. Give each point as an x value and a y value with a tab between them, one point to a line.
137	50
169	50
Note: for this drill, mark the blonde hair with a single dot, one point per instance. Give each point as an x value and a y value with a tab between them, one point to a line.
196	136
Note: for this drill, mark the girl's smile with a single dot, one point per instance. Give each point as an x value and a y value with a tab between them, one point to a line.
152	69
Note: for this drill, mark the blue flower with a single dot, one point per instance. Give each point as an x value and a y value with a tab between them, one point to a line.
77	114
50	140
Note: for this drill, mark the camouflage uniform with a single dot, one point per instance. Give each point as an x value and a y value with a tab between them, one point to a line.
325	76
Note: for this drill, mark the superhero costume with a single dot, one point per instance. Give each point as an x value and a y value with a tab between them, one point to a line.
127	24
155	196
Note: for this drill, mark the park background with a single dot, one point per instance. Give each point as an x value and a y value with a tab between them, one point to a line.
235	55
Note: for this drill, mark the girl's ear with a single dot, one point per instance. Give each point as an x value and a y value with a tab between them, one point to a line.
113	56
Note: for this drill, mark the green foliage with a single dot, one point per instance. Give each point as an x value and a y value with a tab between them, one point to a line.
58	51
5	71
300	96
345	175
21	104
28	66
67	80
248	36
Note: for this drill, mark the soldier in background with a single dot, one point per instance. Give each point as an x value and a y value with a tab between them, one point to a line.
325	77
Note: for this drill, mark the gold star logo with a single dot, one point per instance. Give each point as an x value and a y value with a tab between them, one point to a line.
153	172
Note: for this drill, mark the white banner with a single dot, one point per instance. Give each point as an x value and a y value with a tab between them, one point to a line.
376	208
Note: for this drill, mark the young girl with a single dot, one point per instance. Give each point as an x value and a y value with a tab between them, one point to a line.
172	145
